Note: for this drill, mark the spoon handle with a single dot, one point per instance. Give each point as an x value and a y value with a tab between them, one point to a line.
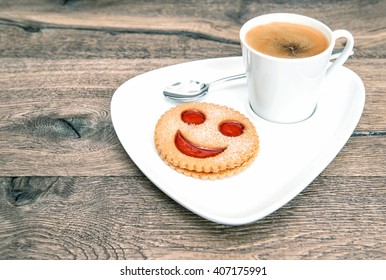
229	78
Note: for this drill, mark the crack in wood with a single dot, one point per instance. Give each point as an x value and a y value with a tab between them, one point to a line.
53	127
20	192
377	29
370	133
28	26
65	2
37	27
71	126
26	190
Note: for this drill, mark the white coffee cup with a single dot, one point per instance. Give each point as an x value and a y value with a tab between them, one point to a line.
286	90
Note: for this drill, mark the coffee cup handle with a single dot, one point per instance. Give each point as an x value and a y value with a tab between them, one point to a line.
346	51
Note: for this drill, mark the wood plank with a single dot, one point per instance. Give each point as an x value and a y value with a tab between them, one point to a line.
175	14
61	27
129	218
88	44
54	108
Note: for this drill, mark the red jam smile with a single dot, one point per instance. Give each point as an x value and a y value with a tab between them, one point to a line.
192	150
231	128
192	117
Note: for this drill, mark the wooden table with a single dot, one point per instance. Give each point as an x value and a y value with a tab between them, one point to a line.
68	190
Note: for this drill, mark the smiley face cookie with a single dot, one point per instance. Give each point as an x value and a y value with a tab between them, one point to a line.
206	140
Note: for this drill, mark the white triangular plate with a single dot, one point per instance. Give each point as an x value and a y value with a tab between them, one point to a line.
291	156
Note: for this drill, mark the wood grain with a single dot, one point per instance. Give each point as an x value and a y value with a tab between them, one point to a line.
129	218
68	190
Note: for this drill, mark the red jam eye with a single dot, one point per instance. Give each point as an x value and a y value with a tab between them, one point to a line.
192	117
231	128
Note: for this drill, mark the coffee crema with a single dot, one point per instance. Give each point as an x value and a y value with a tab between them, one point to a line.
286	40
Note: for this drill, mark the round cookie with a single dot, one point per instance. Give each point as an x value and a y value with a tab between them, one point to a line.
206	140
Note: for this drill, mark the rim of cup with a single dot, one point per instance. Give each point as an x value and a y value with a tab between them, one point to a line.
287	18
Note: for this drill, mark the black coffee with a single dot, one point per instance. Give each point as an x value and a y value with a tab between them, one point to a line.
286	40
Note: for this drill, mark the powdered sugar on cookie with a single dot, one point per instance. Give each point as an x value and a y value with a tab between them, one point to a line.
206	140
